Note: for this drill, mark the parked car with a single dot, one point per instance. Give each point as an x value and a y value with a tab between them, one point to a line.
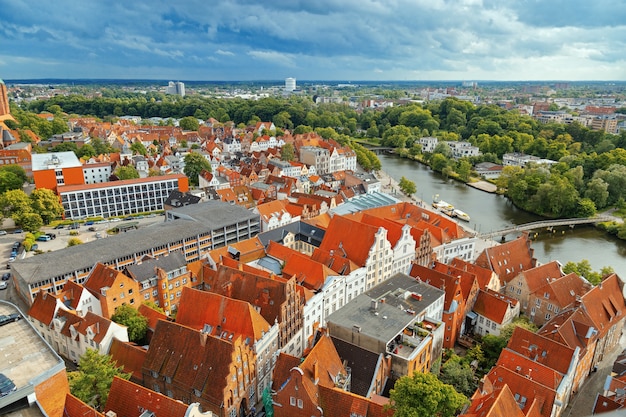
98	235
16	231
92	228
3	232
89	223
74	226
34	247
3	285
59	226
6	276
6	386
12	258
52	235
44	238
9	319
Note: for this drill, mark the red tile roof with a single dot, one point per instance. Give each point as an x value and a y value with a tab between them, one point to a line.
541	349
200	308
493	306
530	369
349	236
539	276
74	407
131	400
337	402
497	403
151	314
129	356
508	259
44	307
483	275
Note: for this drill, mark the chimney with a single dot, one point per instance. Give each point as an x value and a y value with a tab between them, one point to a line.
316	376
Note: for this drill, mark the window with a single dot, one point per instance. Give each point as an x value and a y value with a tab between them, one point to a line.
538	302
292	401
300	403
548	315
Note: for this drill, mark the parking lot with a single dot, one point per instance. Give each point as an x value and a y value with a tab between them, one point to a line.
86	233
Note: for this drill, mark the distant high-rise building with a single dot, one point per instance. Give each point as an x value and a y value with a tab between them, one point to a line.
176	88
290	84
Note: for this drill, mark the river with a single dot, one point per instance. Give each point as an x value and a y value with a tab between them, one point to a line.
490	212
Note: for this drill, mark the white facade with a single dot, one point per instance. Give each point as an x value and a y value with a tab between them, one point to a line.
96	172
379	263
403	252
319	157
463	149
290	84
459	248
266	350
428	143
336	161
176	88
231	145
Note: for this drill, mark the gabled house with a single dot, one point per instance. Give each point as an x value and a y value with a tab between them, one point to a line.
493	311
274	214
220	316
194	367
556	295
297	394
528	282
70	334
275	299
112	288
508	259
495	403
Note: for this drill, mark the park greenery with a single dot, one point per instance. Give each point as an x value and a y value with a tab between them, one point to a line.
92	382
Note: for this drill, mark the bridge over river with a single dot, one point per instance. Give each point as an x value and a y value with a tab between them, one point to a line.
544	223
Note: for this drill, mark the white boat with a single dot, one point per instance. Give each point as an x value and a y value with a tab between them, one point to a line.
461	215
442	205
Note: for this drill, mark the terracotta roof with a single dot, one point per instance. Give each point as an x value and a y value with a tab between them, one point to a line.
129	356
44	307
267	294
526	388
565	290
508	259
98	325
337	402
492	305
193	361
151	314
70	296
334	261
605	304
282	370
530	369
101	276
349	236
307	272
249	250
74	407
362	362
539	276
324	356
450	284
541	349
498	403
483	275
131	400
197	309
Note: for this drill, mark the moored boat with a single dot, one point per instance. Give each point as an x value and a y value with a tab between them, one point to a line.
461	215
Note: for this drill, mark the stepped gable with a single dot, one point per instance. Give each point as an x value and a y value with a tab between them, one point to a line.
199	309
127	399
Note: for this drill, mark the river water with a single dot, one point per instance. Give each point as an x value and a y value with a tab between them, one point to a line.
490	212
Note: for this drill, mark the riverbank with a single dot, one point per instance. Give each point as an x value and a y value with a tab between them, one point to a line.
390	186
483	186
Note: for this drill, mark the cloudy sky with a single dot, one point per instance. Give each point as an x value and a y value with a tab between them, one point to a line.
314	39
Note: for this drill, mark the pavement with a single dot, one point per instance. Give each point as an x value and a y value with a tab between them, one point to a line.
582	403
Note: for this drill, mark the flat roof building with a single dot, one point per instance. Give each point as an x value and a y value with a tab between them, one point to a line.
194	230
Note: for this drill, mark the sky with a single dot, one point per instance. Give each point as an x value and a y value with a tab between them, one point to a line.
229	40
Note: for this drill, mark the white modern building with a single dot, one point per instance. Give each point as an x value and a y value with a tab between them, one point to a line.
175	88
290	84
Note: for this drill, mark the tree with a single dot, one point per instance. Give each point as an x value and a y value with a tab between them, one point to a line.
28	221
46	203
15	202
138	148
86	151
423	395
9	181
92	382
17	170
195	163
407	186
126	172
153	306
189	123
137	324
458	374
74	241
287	152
